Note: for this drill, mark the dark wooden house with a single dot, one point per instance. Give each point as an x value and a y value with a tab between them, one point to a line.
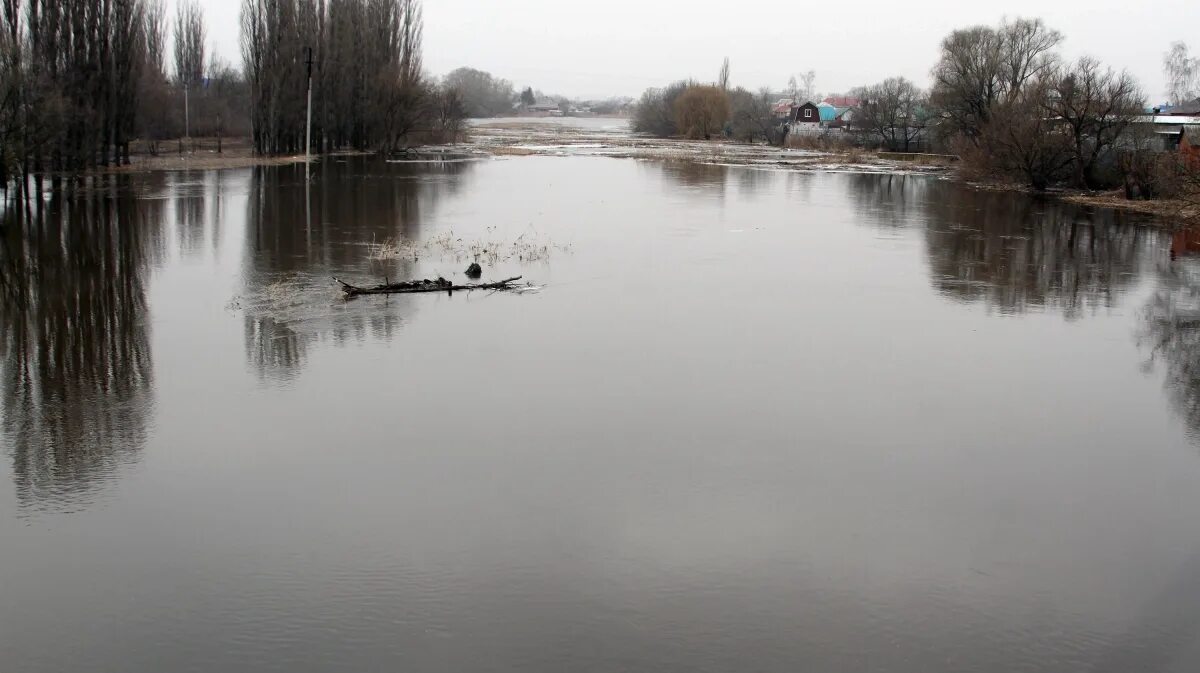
808	113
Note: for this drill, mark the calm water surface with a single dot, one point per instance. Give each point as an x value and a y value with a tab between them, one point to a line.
753	421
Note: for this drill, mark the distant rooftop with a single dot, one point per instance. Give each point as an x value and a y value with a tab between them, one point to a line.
842	101
1185	109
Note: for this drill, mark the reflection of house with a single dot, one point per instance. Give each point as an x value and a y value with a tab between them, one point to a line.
1185	243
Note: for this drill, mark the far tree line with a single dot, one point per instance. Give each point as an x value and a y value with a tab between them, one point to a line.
485	95
1002	98
82	82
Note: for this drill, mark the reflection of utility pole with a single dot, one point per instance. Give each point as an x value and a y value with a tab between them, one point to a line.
307	210
308	61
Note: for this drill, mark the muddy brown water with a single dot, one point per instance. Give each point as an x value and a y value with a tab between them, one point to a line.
752	421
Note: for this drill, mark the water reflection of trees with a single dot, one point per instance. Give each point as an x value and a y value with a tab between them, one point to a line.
1165	630
190	216
890	201
716	178
1011	251
711	177
77	382
1171	328
302	233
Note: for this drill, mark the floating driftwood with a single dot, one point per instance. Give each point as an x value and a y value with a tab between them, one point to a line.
426	285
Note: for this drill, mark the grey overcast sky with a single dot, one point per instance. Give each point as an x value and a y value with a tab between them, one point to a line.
620	47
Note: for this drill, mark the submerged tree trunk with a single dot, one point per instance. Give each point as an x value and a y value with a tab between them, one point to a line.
439	285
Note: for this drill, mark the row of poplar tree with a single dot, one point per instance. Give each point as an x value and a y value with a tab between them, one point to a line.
81	80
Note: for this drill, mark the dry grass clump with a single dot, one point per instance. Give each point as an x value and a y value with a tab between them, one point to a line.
527	247
511	151
823	142
392	248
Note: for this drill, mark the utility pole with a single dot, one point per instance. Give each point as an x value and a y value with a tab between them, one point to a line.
308	60
187	134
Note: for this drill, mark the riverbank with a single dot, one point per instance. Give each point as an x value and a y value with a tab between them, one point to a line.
239	154
610	137
202	160
1171	213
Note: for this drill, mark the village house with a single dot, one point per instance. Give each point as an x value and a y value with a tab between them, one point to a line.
834	113
782	109
808	113
838	111
842	101
545	107
835	117
805	118
1175	127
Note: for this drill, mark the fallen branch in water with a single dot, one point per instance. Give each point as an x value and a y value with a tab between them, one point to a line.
426	285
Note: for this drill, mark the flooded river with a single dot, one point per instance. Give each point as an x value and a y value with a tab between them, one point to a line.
750	420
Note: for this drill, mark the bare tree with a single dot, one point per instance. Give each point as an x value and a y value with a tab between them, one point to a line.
156	35
128	58
368	90
156	108
981	67
1097	107
12	81
1026	52
1025	143
189	53
723	75
189	43
450	113
751	116
892	111
411	37
807	92
1183	74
